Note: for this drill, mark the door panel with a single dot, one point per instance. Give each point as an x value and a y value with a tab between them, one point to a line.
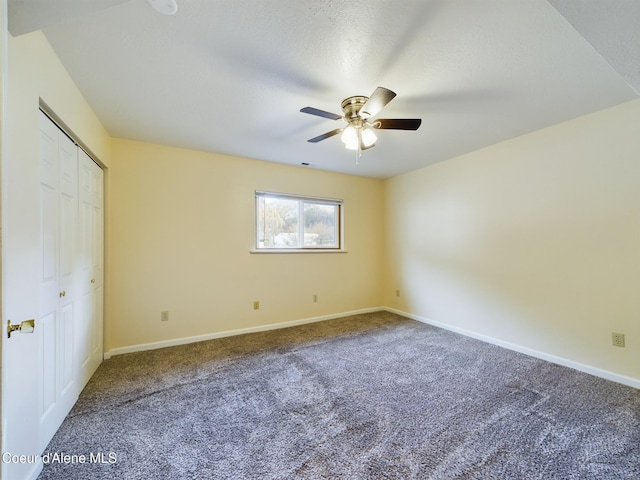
97	342
84	339
67	236
98	266
48	288
48	144
21	270
97	350
47	327
68	158
68	207
97	176
65	342
84	336
19	246
58	230
91	221
49	241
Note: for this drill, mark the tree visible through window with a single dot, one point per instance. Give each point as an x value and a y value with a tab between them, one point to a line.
295	222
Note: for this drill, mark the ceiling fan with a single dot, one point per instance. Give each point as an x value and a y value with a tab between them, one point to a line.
359	113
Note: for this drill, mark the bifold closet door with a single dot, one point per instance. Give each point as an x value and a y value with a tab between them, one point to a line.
57	279
70	281
91	248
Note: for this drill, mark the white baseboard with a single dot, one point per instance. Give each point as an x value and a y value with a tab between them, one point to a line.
598	372
230	333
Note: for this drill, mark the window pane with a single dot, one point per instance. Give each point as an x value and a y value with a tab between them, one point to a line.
320	221
297	223
277	223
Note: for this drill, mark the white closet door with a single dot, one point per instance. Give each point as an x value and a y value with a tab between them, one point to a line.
97	258
56	280
91	248
68	234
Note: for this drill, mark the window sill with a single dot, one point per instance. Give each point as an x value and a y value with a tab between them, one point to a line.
298	250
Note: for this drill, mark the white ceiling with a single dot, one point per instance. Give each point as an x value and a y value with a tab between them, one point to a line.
230	76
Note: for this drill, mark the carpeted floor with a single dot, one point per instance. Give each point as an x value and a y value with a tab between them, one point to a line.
370	396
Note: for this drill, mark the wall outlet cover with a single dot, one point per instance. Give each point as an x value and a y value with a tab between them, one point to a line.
617	339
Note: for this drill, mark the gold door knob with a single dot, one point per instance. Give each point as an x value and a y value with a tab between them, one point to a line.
26	326
93	280
63	294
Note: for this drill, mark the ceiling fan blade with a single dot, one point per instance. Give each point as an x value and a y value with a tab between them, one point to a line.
376	102
320	113
397	123
325	135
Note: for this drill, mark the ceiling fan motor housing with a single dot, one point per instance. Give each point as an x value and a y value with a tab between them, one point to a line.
351	106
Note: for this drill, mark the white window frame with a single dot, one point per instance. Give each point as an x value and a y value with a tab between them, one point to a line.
301	199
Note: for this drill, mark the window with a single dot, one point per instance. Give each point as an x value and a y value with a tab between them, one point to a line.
295	223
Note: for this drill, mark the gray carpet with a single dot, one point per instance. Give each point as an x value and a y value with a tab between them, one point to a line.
364	397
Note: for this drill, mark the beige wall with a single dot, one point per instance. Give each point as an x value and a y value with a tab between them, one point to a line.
182	229
534	241
36	72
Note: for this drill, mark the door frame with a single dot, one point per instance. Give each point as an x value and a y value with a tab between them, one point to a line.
20	433
3	33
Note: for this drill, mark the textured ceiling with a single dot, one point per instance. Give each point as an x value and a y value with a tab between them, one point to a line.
231	76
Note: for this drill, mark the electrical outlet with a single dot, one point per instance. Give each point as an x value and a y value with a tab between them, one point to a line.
397	293
164	316
617	339
315	298
256	305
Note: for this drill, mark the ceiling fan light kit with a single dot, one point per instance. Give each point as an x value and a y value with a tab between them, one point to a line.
358	112
354	136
